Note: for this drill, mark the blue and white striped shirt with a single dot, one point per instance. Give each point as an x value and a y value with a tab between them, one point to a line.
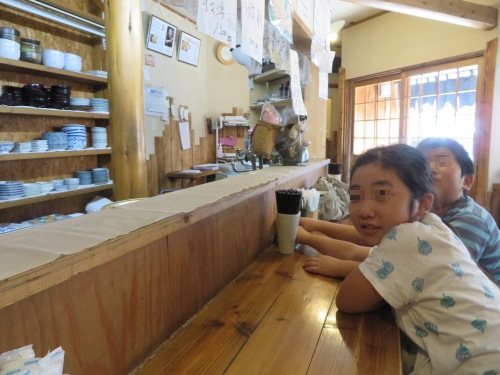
478	231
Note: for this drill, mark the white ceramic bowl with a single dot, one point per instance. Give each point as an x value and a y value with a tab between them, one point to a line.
6	147
72	62
53	58
10	49
32	189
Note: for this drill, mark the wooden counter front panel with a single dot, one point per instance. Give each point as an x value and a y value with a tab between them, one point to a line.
108	319
112	316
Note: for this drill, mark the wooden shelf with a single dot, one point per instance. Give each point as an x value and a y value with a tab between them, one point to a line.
270	75
32	111
55	154
31	68
277	104
302	36
54	195
191	176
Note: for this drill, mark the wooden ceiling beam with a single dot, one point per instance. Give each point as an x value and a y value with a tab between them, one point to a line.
458	12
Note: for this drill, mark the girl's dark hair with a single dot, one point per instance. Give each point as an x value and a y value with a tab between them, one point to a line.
459	152
407	162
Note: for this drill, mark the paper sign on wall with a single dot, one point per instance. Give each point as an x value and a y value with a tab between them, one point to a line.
218	19
155	101
184	134
297	101
252	28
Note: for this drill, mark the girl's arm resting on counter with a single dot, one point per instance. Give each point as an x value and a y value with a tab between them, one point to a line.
334	230
332	247
357	295
329	266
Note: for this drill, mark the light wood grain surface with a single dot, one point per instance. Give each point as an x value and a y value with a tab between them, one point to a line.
277	319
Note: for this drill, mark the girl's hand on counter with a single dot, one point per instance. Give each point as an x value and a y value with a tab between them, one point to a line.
329	266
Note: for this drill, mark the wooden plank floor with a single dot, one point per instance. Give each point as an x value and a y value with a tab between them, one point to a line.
277	319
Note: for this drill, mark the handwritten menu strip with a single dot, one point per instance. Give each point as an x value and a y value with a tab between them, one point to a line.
252	28
218	18
297	101
322	21
305	10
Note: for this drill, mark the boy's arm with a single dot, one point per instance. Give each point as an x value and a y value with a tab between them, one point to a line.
334	230
332	247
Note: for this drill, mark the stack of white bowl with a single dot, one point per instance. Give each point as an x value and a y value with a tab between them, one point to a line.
21	147
85	177
59	185
99	137
53	58
56	140
99	105
72	62
77	136
10	43
46	187
39	145
32	189
72	183
100	176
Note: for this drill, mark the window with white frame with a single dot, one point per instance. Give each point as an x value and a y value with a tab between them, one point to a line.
415	104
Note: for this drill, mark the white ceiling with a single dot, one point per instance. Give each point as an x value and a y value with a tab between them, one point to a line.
353	13
349	12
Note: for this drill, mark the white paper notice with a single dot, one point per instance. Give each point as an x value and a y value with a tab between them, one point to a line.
322	21
252	28
305	10
184	133
323	85
155	101
218	18
297	101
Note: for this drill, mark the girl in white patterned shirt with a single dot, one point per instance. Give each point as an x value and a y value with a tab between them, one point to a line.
441	299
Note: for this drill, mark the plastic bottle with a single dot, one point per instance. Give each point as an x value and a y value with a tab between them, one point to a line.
335	171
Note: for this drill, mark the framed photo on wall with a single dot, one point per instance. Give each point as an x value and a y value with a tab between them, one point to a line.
189	49
161	36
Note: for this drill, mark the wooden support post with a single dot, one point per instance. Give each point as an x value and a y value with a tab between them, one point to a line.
124	38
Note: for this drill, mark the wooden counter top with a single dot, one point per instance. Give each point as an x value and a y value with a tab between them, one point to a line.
275	318
111	286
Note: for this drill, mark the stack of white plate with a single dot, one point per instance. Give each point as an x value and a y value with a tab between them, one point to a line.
100	176
85	177
99	105
39	145
79	103
11	190
22	147
99	137
99	73
77	136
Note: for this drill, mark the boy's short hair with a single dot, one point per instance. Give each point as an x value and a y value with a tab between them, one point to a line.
459	152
